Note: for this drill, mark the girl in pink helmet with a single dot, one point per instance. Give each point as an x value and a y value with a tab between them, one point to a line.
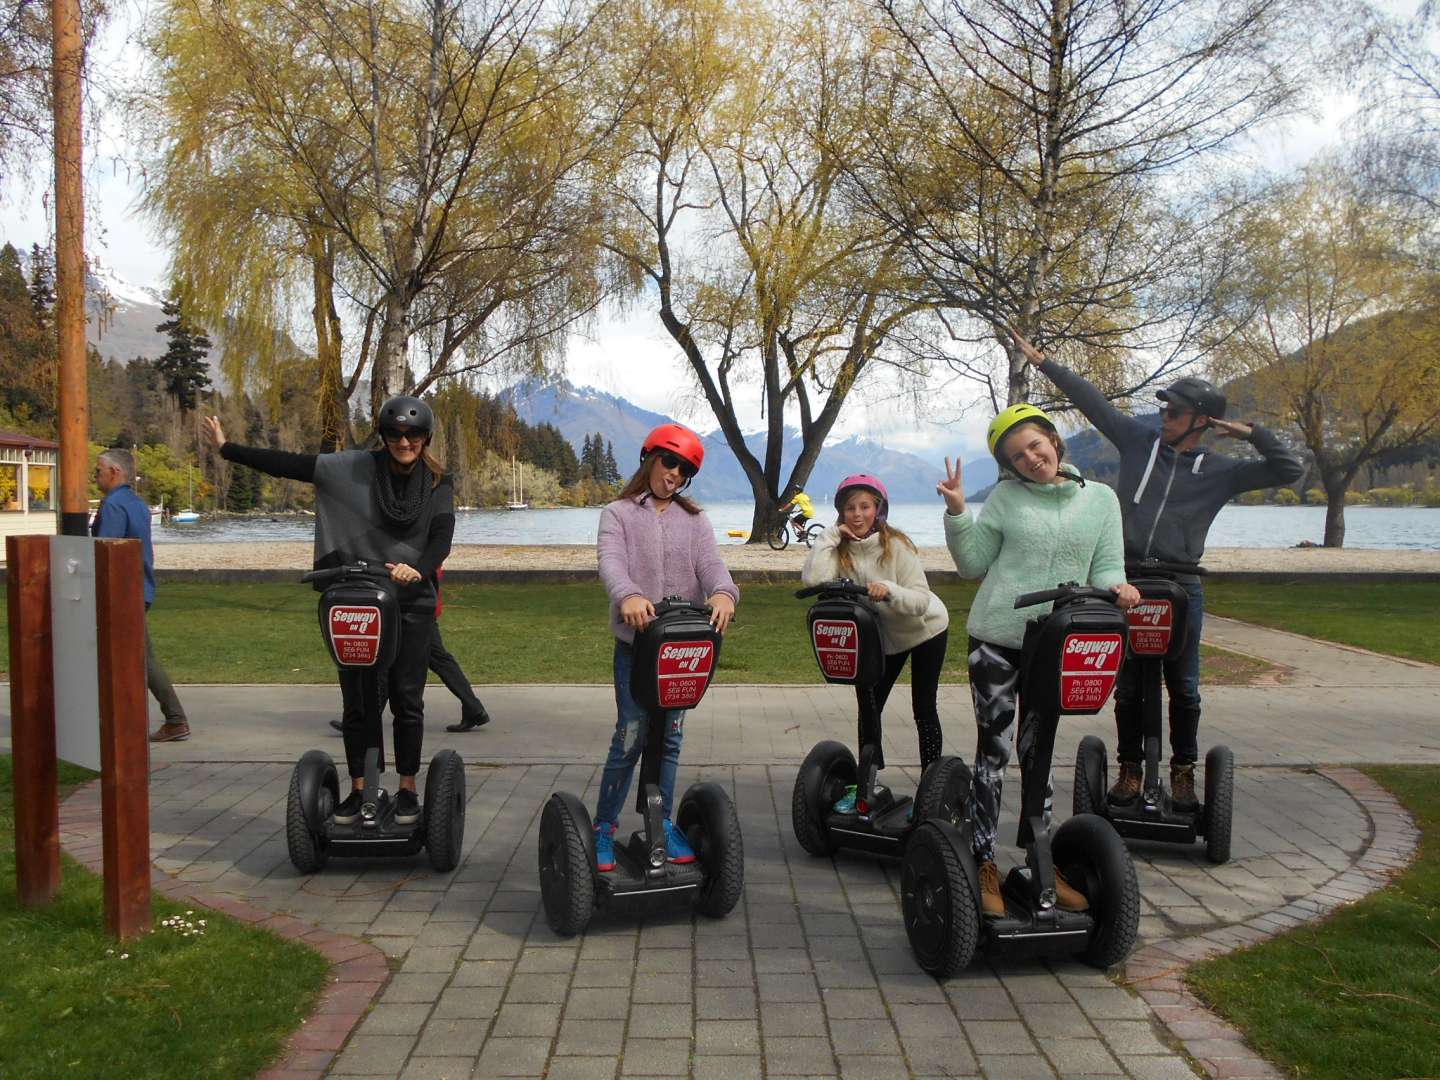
914	624
653	543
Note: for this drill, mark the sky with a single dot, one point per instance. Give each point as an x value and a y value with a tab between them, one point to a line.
628	355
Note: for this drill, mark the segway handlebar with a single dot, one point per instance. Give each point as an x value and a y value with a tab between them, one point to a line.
1065	591
679	603
840	586
1160	566
358	569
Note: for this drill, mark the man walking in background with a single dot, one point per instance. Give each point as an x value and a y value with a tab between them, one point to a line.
123	515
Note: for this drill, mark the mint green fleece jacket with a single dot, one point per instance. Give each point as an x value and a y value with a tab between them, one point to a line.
1030	537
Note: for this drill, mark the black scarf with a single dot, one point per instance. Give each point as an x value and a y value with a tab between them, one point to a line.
400	497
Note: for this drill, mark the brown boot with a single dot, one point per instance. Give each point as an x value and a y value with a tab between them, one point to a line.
1182	787
992	904
1067	897
168	732
1127	785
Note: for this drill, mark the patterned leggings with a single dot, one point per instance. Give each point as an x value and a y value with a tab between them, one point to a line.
926	660
994	675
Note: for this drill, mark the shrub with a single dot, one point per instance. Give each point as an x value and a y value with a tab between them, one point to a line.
1285	497
1392	496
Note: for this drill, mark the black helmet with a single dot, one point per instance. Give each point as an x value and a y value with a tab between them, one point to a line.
1197	394
404	411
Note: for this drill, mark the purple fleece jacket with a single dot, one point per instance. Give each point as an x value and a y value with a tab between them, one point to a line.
643	553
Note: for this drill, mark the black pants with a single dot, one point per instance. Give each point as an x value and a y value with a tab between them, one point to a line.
404	684
926	660
443	664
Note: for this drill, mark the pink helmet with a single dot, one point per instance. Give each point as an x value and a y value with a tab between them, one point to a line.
871	484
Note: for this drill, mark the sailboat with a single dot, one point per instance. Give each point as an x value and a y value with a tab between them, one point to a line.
517	486
184	517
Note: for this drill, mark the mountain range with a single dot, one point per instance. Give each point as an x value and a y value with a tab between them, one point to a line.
581	411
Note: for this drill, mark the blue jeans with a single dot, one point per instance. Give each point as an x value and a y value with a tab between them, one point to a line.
628	744
1182	680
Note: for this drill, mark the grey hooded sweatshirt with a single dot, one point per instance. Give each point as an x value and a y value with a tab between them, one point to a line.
1168	500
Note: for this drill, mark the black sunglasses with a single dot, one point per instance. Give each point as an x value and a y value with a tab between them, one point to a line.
675	461
1175	412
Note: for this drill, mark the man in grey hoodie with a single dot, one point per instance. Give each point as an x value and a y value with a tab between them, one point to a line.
1170	491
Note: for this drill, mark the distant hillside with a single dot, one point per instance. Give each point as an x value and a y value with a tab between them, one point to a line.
582	411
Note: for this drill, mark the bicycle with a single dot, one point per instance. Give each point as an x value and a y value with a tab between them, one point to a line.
787	528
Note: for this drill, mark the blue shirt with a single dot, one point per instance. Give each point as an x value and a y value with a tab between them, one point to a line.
124	516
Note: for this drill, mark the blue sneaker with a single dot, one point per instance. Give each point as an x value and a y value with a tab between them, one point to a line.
846	803
604	845
677	848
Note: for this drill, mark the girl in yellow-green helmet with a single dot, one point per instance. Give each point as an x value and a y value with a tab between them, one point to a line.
1041	524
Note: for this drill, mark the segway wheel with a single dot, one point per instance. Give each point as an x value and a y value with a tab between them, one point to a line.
1090	778
944	791
445	810
314	794
779	536
823	777
937	899
1219	802
1094	859
707	818
567	864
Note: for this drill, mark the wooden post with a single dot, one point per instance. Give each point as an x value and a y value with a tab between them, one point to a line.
68	60
124	744
32	721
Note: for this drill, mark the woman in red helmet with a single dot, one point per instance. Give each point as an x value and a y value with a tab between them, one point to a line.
914	624
653	543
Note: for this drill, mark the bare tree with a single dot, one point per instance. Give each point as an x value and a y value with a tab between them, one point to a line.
1032	157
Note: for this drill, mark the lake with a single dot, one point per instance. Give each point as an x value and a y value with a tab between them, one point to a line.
1236	526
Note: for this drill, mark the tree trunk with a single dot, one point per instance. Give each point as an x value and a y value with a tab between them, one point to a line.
1335	514
391	372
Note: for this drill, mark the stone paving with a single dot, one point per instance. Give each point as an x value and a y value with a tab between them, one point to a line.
811	975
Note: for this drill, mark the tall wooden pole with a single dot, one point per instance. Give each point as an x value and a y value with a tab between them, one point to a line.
32	721
69	63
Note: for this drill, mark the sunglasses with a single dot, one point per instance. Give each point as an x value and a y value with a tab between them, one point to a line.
1175	413
675	461
414	438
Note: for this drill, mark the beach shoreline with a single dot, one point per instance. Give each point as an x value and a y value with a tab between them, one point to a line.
296	555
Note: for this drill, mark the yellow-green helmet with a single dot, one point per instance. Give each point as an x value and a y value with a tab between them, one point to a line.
1010	419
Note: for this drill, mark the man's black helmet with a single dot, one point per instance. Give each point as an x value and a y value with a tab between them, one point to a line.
1197	395
404	411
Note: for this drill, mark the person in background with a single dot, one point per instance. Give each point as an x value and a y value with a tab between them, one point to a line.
804	512
123	515
443	664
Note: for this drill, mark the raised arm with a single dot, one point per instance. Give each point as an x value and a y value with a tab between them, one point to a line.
1278	465
1108	420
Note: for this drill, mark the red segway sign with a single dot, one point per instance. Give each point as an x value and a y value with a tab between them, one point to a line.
682	671
1150	627
1089	665
355	634
837	647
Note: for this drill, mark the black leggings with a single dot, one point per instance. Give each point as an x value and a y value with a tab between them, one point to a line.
927	659
404	684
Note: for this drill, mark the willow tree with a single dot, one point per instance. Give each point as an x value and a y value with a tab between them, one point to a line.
1038	160
1336	324
730	215
404	164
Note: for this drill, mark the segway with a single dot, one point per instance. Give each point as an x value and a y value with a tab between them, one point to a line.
675	658
1070	661
1157	632
360	622
845	634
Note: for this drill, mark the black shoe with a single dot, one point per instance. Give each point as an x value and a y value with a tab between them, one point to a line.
337	725
470	723
348	811
407	807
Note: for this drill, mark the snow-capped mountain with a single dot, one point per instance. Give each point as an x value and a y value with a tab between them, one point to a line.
581	411
120	316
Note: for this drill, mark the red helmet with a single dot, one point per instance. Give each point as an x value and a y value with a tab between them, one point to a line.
678	440
869	483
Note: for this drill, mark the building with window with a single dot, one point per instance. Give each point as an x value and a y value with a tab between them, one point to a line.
29	482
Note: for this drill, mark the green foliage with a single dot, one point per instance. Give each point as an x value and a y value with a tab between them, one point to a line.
1391	496
164	477
74	1002
27	354
182	368
1431	495
1353	997
1285	497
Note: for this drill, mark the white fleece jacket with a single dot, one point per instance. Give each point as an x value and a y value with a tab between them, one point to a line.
912	615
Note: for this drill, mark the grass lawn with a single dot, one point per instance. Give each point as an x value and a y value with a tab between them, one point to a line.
219	1003
1358	995
1396	617
269	633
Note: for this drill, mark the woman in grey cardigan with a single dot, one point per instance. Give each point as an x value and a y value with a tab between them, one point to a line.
653	543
